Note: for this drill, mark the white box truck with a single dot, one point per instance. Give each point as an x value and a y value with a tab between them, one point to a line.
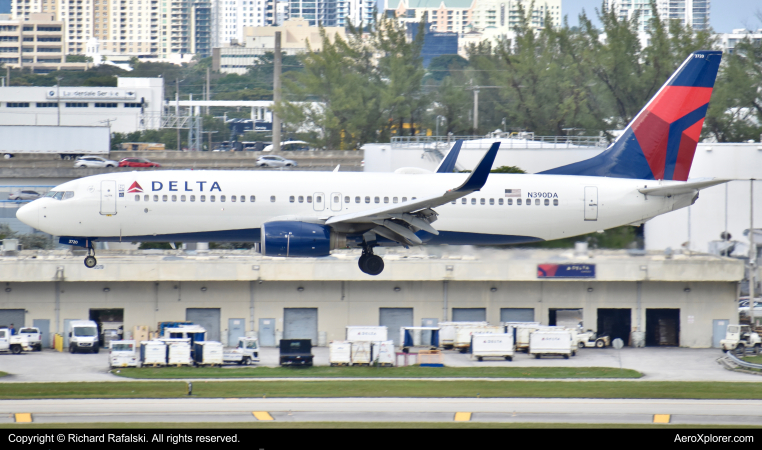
340	353
122	354
492	345
366	334
66	142
463	335
550	343
447	331
13	343
83	336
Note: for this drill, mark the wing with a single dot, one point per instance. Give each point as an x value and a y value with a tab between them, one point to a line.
400	221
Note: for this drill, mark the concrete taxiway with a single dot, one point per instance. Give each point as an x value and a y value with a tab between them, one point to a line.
592	411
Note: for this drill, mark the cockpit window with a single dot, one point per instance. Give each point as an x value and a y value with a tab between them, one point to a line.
51	194
59	195
68	195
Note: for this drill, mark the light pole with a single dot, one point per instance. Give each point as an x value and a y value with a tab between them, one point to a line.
58	98
438	119
752	254
476	103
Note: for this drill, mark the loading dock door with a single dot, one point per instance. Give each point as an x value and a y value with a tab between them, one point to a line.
663	327
469	314
267	333
300	323
209	318
393	319
517	314
616	323
569	318
12	316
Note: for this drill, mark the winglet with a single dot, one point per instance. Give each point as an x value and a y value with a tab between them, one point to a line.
448	164
479	176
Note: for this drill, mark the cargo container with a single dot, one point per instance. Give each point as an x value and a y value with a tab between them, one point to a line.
340	353
447	331
362	353
178	352
550	343
366	334
207	353
492	345
123	354
296	352
153	353
195	333
522	331
463	335
383	353
65	142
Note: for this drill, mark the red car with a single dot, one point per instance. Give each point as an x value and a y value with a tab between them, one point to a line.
137	162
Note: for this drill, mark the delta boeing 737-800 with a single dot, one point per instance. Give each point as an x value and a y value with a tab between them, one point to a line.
644	173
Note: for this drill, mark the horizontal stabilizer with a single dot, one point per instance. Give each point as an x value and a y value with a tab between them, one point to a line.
681	188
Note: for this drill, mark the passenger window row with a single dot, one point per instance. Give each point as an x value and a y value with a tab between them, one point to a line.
508	201
201	198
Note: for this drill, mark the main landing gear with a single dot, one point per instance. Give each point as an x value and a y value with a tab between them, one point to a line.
370	263
90	260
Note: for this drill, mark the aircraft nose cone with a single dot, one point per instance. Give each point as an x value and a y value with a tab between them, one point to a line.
29	214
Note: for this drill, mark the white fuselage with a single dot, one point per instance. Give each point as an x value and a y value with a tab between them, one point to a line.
179	202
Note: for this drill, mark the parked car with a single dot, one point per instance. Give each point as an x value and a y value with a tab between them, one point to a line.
137	162
34	335
24	195
94	162
274	161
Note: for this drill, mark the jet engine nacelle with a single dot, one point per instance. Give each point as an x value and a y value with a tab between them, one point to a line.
298	239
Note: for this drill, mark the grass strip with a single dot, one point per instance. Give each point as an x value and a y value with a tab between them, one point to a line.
2	374
370	388
373	372
354	425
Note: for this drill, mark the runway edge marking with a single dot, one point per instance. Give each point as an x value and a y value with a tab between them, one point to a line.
262	415
462	417
23	417
662	418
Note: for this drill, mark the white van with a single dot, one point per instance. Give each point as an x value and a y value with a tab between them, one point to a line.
83	336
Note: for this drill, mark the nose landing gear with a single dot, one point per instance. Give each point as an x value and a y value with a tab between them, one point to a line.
370	263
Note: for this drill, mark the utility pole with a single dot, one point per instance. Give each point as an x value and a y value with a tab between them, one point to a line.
276	92
8	76
177	111
208	91
476	103
58	99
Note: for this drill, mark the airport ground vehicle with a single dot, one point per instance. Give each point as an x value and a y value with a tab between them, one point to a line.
137	162
463	335
247	352
83	336
447	331
122	354
296	352
24	195
274	161
13	343
739	338
492	345
89	162
591	339
68	142
34	336
550	343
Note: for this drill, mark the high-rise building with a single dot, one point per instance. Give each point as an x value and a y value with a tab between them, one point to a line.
332	13
689	12
463	16
230	16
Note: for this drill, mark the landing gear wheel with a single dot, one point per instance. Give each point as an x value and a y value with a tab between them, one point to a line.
362	260
90	261
374	265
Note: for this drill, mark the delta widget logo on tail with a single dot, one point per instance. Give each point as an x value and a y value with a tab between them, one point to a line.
135	187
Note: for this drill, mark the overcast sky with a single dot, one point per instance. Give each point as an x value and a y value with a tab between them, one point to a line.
724	15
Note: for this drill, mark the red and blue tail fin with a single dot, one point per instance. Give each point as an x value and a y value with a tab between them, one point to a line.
660	142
